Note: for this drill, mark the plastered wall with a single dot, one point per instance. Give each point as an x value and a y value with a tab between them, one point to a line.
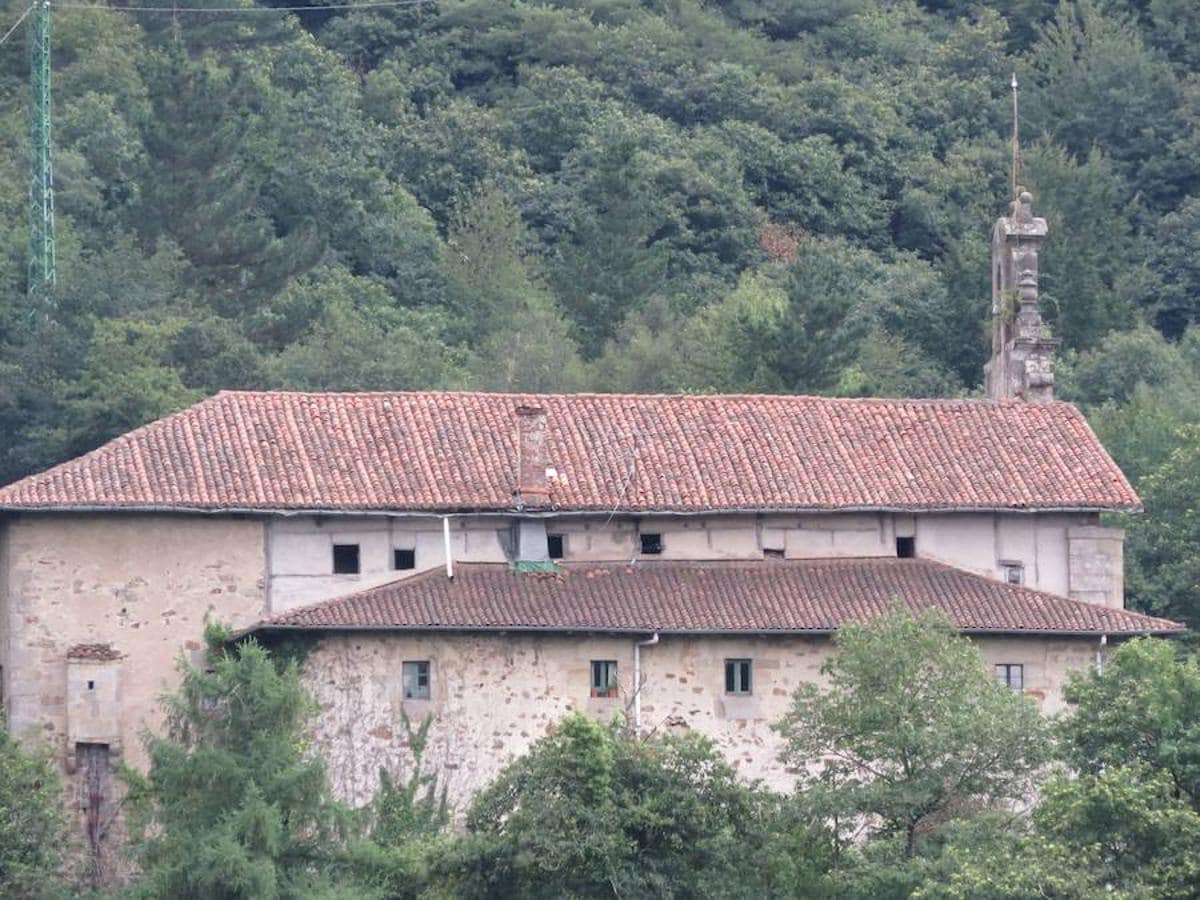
1065	554
139	582
493	695
300	551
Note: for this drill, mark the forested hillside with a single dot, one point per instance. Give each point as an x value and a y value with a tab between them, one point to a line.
732	195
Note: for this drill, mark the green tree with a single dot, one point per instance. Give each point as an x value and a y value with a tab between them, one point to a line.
910	732
33	830
232	805
590	811
358	339
202	191
1142	711
1174	258
1164	570
126	381
999	859
1096	83
1133	823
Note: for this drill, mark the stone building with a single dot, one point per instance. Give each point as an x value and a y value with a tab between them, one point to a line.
494	560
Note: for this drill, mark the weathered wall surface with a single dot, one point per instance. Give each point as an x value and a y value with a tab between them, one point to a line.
493	695
1096	558
139	582
1062	553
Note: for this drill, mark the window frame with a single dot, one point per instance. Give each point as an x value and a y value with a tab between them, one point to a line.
396	551
739	676
357	570
1004	672
420	669
551	538
1011	567
906	547
610	687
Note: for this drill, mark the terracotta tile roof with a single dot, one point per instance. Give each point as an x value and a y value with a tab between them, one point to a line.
98	652
457	451
758	596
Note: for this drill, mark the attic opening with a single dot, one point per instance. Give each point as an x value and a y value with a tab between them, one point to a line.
906	547
345	559
555	546
652	544
404	559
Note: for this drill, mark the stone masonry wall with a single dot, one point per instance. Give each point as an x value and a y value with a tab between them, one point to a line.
493	695
142	583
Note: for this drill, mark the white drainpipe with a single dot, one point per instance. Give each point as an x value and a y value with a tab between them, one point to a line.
446	540
637	680
1100	654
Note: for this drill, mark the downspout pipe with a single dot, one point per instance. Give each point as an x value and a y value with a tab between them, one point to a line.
1100	654
446	542
637	679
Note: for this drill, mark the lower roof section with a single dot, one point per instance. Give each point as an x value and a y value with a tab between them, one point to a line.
756	597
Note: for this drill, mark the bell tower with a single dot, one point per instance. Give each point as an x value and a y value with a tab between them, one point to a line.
1022	363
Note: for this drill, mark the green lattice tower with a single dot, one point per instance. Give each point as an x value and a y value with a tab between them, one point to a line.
41	171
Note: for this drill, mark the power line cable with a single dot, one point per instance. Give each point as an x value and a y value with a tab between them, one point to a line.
8	33
238	9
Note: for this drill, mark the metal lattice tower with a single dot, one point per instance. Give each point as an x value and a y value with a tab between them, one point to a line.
41	170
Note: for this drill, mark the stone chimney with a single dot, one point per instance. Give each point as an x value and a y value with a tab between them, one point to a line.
533	485
1022	363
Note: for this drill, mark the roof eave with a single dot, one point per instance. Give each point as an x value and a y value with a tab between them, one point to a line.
543	512
677	632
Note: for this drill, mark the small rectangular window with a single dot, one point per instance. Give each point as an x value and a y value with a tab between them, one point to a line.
345	559
773	552
416	679
1014	572
906	547
555	546
604	678
1011	675
404	559
652	544
91	685
737	676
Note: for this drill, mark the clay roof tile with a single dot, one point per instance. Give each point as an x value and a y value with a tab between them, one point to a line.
443	451
766	596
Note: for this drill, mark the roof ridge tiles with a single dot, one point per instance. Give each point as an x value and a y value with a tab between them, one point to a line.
662	395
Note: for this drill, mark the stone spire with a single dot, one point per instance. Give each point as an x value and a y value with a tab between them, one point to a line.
1022	363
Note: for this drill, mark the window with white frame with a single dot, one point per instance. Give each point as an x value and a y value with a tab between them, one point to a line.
737	676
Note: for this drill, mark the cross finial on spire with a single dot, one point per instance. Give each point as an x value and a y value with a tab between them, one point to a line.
1016	138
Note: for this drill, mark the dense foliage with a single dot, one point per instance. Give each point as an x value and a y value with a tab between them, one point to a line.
590	812
33	829
910	732
232	805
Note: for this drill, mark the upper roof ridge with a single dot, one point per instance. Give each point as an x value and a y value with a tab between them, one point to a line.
667	396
